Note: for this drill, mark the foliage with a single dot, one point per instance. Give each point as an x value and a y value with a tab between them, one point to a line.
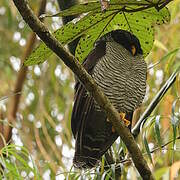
17	163
42	128
126	15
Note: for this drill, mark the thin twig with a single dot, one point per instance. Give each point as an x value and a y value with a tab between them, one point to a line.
164	145
9	95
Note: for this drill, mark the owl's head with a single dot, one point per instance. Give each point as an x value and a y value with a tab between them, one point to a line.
127	40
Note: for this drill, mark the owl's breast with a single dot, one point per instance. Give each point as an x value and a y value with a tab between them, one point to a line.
122	77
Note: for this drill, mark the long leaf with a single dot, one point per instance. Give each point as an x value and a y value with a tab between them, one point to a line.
147	147
157	130
175	121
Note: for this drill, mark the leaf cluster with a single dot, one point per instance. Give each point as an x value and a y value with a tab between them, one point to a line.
137	17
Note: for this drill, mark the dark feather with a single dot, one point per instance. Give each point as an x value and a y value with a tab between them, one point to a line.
80	92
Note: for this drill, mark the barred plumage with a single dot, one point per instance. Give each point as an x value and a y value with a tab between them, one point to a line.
121	74
122	77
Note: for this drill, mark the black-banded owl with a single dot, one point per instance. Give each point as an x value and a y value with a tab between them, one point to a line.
116	64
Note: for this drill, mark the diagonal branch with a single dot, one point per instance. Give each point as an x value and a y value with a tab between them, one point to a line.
38	27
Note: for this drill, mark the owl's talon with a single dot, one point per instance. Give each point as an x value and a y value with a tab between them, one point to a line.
127	122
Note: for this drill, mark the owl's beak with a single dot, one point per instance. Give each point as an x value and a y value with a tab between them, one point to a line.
133	50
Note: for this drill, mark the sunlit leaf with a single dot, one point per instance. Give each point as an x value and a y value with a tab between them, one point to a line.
77	9
140	24
65	35
97	23
102	165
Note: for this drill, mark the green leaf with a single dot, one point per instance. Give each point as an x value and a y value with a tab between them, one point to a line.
168	84
65	35
157	130
102	165
86	43
13	172
175	121
147	147
22	156
120	15
140	24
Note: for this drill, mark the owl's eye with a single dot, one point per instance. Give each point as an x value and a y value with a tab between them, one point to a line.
133	50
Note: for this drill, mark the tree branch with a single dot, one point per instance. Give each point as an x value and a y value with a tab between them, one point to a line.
38	27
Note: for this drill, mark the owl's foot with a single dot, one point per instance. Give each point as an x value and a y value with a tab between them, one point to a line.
126	122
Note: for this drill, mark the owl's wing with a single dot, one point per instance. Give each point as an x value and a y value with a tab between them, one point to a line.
80	92
92	131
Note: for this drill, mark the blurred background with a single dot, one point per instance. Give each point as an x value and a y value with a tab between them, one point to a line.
38	116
